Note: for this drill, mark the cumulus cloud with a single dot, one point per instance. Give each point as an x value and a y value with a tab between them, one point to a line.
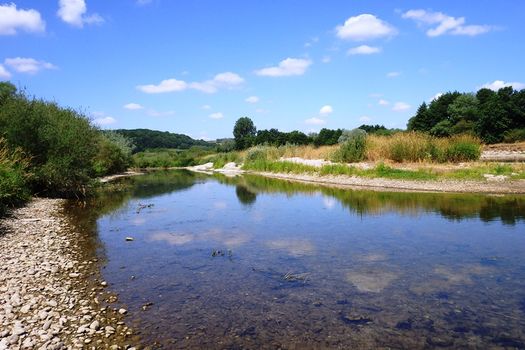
393	74
287	67
382	102
101	119
168	85
4	74
133	106
252	99
444	24
217	115
498	84
401	107
73	12
226	80
326	110
365	27
27	65
435	97
363	50
13	20
315	121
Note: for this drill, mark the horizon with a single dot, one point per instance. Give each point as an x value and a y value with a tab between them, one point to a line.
145	64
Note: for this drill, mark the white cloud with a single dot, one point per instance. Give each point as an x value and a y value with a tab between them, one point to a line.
383	102
401	107
217	115
206	107
101	119
133	106
365	119
315	121
393	74
498	84
365	27
435	97
74	12
226	80
363	50
252	99
27	65
168	85
13	20
287	67
4	74
326	59
326	110
444	24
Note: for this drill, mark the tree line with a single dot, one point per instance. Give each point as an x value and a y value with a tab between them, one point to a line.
494	116
246	135
143	139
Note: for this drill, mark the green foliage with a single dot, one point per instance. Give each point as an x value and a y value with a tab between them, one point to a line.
488	114
327	137
262	153
463	148
144	139
13	177
114	154
166	158
514	135
225	145
244	133
274	137
60	142
352	146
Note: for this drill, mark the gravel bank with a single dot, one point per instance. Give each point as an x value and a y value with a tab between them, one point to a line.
494	185
51	296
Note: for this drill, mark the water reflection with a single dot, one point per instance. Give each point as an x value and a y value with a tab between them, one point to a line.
251	262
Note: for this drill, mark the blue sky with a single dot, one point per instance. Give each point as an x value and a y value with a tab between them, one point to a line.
194	67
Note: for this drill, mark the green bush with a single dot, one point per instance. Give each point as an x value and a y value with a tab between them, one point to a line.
352	146
463	148
514	135
114	154
13	177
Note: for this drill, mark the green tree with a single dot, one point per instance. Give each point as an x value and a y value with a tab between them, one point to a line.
244	133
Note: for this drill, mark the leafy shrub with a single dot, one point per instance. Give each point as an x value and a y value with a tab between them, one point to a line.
262	153
13	187
114	154
514	135
352	146
463	148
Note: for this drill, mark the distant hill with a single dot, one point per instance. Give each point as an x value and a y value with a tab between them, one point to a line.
145	138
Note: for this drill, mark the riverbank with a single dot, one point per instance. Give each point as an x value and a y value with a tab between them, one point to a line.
491	184
51	293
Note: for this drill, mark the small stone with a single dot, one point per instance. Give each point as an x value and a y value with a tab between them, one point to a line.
46	325
95	325
122	311
103	283
87	341
25	309
129	239
74	275
110	329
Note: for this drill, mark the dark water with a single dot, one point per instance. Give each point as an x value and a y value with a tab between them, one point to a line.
250	262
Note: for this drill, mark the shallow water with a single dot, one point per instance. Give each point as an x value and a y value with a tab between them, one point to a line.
250	262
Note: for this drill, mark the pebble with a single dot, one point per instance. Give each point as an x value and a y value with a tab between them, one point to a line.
42	303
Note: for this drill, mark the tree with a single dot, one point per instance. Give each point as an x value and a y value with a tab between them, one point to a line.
419	121
244	133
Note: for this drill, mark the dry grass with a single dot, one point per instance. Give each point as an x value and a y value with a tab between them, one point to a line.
308	151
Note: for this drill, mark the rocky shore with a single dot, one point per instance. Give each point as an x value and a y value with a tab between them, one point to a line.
51	294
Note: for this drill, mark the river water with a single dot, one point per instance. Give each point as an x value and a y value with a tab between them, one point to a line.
251	262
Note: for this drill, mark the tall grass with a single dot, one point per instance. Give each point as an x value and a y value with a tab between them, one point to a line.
419	147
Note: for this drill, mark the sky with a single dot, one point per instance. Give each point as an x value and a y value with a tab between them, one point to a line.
195	67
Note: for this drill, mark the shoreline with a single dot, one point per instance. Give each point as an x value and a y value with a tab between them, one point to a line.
51	292
383	184
492	186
